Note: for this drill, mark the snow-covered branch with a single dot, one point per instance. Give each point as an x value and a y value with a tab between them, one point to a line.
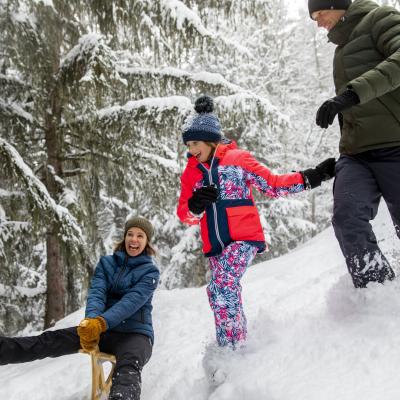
90	60
170	78
183	15
15	110
151	106
39	195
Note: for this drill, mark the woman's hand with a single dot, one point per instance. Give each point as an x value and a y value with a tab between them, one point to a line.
89	331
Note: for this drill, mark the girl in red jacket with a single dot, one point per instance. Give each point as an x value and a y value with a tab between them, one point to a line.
216	193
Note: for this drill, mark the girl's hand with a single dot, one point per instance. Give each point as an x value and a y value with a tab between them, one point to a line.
202	198
322	172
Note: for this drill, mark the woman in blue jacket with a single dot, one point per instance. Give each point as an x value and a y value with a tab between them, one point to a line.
117	317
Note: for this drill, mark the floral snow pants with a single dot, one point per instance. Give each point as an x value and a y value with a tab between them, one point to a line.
224	292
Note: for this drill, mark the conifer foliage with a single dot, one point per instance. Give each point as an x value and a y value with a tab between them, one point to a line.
93	97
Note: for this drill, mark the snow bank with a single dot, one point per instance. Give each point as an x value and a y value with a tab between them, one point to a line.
311	336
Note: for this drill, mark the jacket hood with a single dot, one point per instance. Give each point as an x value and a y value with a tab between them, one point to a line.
340	33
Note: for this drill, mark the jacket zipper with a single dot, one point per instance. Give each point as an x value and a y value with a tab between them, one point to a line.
120	273
214	206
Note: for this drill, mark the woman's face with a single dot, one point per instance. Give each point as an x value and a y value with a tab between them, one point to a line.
135	241
199	149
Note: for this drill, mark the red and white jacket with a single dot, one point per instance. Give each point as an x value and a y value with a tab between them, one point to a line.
233	217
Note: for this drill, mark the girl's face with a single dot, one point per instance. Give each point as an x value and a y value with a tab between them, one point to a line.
135	241
199	149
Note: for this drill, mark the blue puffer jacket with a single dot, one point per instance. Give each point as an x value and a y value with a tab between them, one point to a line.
121	292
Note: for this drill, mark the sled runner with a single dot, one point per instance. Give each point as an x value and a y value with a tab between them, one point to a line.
100	386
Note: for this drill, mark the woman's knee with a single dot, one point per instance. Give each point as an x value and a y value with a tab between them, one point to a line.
132	349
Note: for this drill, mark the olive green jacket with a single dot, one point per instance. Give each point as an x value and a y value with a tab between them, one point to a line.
367	60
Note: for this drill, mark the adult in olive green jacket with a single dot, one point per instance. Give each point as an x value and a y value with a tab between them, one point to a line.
366	70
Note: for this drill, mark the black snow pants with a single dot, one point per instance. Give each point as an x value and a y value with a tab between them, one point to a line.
360	183
132	352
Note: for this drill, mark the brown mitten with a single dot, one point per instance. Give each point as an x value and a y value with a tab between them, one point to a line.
89	331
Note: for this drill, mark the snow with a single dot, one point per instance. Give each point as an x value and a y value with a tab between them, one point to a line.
48	3
39	193
246	100
93	52
7	193
183	14
24	291
23	16
68	197
312	336
86	44
211	78
172	165
16	109
159	103
8	229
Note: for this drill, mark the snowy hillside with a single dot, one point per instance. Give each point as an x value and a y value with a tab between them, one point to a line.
312	336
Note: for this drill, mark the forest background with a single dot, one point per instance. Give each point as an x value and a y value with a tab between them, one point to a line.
93	97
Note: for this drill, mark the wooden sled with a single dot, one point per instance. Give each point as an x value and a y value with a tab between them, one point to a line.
100	386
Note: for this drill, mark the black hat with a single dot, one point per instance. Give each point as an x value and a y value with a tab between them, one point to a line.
318	5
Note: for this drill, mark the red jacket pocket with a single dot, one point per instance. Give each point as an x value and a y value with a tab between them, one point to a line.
244	223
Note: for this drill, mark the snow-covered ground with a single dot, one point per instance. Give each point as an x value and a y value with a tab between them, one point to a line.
312	336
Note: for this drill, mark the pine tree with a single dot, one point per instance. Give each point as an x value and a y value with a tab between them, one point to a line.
94	97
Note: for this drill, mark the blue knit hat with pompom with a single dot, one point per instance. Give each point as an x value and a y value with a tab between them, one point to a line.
204	125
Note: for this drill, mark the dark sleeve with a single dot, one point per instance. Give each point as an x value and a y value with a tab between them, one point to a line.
385	77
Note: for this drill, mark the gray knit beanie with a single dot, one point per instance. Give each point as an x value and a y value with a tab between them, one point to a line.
142	223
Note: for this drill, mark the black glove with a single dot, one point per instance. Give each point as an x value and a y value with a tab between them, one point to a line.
327	112
202	198
322	172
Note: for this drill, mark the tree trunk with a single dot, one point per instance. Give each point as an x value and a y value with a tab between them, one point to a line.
56	286
55	301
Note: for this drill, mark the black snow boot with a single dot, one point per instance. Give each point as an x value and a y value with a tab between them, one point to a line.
126	383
